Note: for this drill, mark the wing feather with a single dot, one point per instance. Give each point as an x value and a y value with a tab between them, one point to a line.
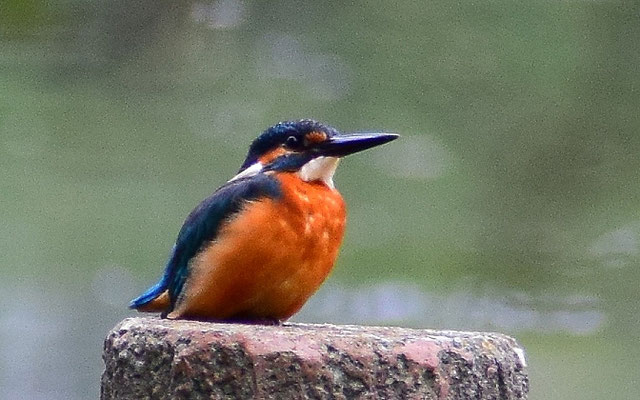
202	226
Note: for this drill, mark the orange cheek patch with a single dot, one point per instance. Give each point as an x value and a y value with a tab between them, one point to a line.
272	155
316	137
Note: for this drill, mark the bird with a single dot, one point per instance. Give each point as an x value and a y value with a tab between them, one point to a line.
262	244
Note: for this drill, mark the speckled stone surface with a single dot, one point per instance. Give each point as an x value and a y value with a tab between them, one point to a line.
151	358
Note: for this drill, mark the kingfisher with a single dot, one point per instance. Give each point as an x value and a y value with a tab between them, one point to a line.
262	243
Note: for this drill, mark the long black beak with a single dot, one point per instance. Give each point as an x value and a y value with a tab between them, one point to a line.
345	144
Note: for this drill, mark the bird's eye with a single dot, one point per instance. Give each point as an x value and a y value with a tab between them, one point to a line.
291	142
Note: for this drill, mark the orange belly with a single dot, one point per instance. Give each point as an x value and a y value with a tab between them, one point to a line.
268	260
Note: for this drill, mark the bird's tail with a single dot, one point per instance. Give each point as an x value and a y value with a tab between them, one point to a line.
154	299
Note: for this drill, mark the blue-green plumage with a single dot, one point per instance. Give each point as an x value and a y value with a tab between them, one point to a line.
280	133
202	226
297	143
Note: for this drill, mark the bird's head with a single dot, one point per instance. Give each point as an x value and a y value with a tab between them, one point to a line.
307	147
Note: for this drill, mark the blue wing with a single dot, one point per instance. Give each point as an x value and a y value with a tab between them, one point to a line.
202	226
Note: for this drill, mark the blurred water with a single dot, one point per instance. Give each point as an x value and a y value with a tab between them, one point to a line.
52	340
509	204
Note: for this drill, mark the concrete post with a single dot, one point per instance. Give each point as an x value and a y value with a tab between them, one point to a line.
151	358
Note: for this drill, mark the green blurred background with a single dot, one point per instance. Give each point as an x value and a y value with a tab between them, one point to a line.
511	202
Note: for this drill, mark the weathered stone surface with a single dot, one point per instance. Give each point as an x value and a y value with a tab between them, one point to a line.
150	358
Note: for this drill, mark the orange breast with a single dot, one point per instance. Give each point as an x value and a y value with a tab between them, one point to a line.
269	259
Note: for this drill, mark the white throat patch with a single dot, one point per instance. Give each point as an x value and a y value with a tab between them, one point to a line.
249	171
320	169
